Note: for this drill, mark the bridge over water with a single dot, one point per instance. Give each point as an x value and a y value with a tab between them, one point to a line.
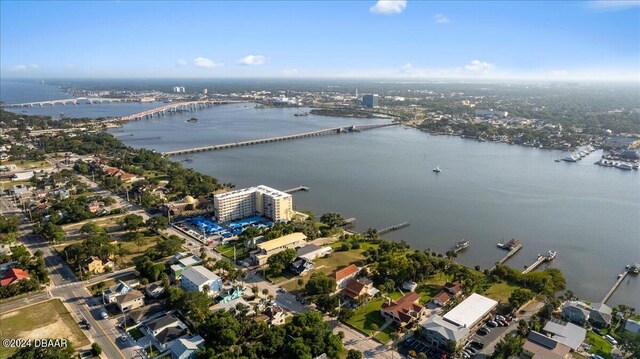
68	101
174	107
327	131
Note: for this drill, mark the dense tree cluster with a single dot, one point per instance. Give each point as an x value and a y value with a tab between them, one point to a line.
546	281
33	265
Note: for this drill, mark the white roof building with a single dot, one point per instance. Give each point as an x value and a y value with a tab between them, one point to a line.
470	311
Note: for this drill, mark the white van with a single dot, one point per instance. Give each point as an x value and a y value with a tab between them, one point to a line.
610	339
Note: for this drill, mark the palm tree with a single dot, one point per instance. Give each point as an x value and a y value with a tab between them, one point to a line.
265	292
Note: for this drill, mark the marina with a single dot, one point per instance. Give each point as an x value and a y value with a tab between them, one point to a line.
460	245
513	246
539	260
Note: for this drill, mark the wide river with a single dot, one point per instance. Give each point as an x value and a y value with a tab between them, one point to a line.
486	191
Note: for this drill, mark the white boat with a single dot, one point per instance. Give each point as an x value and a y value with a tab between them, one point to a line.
437	169
570	158
460	245
624	166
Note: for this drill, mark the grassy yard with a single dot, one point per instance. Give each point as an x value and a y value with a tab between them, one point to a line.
136	333
500	292
134	251
28	165
226	250
44	320
369	314
337	260
599	345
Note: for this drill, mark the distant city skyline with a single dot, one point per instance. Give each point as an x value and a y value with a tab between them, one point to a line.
591	40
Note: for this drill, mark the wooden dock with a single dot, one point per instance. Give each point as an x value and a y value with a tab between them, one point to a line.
621	277
511	253
393	228
328	131
539	260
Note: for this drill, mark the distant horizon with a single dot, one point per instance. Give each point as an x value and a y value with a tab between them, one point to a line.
386	39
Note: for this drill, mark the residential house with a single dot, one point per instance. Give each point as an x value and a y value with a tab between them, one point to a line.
312	251
632	326
131	300
164	330
196	278
442	298
186	348
439	332
109	295
566	333
455	289
94	265
155	289
13	275
358	290
540	346
301	265
272	315
342	276
600	315
576	312
184	263
405	310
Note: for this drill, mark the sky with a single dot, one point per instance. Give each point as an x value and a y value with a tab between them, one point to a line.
371	39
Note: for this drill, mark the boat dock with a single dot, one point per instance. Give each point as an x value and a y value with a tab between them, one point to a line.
631	269
348	222
296	189
513	246
328	131
541	259
393	228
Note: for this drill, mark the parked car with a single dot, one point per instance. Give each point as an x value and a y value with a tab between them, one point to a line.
104	314
477	345
492	324
506	324
86	354
610	339
499	317
597	331
483	331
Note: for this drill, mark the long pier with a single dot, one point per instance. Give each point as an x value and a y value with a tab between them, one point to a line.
393	228
539	260
328	131
511	253
296	189
621	278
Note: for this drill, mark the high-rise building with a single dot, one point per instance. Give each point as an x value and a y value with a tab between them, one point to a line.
370	100
205	92
178	89
261	200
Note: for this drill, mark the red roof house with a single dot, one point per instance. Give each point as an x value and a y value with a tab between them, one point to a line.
404	310
343	275
13	275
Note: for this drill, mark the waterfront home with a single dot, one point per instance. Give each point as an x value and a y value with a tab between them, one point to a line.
540	346
403	311
600	315
198	278
632	326
454	289
344	275
441	299
575	311
566	333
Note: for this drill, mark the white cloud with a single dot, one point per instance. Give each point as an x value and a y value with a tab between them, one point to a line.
388	7
181	62
206	63
252	60
441	19
613	5
558	73
24	68
478	66
289	72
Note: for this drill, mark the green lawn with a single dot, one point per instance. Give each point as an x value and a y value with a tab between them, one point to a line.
337	260
135	251
500	292
369	314
136	333
599	345
49	319
226	250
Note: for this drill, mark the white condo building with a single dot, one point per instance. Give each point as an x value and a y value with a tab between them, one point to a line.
261	200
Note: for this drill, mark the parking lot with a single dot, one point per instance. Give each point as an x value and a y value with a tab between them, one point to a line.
419	346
